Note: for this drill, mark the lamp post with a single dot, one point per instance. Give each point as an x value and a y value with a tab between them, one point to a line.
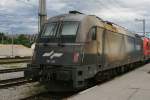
12	45
144	24
12	42
2	39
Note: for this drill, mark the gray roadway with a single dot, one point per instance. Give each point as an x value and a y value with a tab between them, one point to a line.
134	85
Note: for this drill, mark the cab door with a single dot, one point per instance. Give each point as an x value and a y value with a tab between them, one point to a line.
90	49
100	39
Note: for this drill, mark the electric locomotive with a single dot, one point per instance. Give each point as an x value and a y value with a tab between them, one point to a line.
72	49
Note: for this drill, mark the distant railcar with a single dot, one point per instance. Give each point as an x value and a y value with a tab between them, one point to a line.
146	47
74	49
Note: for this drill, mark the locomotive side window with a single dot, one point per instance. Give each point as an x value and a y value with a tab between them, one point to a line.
93	33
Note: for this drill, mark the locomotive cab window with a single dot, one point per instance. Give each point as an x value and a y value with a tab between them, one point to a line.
69	28
49	30
69	31
60	32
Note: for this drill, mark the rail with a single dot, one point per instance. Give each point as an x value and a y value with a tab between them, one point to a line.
14	60
12	70
13	82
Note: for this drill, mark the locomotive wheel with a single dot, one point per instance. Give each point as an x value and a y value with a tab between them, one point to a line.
98	77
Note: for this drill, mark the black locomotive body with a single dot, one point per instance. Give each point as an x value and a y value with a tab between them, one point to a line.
74	48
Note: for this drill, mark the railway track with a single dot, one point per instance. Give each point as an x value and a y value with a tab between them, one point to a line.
13	82
12	70
14	60
6	83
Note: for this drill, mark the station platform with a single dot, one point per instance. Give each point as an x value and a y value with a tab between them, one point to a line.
134	85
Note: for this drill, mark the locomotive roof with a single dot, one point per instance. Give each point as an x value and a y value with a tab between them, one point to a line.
105	24
118	29
68	17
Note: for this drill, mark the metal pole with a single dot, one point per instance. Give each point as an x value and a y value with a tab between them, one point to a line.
144	24
12	45
42	13
144	27
2	39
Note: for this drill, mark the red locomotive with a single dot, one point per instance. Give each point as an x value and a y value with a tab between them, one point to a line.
146	47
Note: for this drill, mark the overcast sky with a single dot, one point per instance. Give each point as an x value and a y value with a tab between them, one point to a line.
20	16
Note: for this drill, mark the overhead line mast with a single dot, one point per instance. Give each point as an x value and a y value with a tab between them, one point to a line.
42	13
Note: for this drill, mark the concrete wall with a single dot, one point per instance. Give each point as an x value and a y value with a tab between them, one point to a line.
18	50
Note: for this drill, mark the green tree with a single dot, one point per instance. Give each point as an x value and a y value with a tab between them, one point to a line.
4	39
22	39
